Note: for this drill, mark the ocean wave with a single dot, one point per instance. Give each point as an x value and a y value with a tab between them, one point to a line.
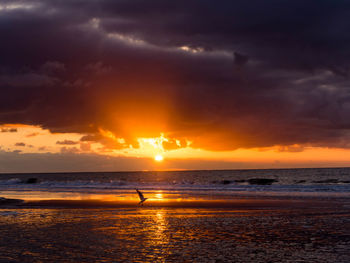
92	185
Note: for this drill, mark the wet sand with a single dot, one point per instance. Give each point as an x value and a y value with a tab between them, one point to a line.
245	230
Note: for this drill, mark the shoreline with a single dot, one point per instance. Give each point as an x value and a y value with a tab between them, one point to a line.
242	203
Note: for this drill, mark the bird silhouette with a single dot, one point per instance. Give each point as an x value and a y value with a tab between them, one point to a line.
142	198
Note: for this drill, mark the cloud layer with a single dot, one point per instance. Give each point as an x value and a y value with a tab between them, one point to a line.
228	75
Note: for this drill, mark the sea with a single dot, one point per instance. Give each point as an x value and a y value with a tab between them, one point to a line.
279	215
308	182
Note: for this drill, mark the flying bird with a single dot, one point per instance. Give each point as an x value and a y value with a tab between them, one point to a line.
142	198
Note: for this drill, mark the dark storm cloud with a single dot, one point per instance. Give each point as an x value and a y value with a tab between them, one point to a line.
223	75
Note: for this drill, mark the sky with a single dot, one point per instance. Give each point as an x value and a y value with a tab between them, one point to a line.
109	85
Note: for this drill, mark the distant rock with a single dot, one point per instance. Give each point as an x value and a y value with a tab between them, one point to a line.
240	181
226	182
5	201
300	181
327	181
31	181
262	181
222	182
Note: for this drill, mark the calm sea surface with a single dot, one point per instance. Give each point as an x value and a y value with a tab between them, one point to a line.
274	182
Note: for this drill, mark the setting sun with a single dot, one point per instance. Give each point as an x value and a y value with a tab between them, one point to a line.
158	158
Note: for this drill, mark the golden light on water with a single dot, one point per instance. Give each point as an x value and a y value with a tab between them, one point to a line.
159	195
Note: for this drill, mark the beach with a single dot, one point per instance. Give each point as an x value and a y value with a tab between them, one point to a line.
246	230
189	216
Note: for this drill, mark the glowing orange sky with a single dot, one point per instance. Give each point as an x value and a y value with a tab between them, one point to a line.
26	139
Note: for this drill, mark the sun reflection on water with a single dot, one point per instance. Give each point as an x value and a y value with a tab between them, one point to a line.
159	195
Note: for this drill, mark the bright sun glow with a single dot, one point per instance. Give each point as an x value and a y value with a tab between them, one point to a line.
158	158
